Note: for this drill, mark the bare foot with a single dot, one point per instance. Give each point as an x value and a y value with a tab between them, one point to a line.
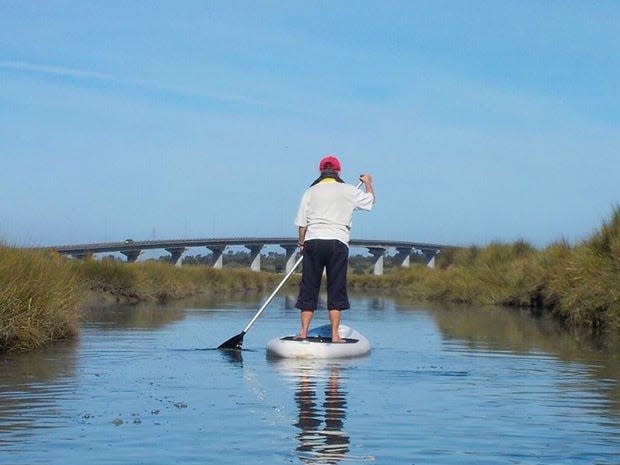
338	340
299	337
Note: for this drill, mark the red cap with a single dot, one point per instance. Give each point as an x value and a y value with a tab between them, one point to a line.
329	160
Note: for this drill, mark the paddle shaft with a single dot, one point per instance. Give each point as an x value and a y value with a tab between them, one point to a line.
273	294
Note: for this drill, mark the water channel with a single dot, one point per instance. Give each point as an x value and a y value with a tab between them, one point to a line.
442	385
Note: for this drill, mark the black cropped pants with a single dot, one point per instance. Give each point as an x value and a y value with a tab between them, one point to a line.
333	257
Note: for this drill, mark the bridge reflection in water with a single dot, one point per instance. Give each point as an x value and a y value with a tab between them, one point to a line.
177	247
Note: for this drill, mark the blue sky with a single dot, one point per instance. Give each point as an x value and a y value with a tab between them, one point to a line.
479	120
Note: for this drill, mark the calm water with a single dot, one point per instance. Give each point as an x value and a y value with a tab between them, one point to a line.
442	385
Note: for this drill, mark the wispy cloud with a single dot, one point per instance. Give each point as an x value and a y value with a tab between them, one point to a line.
56	70
75	73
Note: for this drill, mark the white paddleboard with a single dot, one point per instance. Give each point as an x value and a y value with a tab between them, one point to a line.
318	345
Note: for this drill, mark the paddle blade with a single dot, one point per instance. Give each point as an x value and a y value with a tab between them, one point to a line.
234	343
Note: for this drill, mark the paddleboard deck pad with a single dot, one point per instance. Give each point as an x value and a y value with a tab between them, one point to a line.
319	345
318	339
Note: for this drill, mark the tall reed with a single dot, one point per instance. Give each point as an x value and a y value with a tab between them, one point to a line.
39	297
579	284
583	286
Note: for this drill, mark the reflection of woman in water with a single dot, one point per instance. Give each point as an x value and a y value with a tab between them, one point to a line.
328	444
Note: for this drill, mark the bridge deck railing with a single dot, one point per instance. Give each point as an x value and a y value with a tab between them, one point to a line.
176	247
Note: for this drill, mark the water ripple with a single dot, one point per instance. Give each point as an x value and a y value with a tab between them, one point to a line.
138	388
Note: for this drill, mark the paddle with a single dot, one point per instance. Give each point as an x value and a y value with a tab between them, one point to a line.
235	342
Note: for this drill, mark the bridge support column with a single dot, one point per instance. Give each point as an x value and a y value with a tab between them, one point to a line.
404	256
378	253
430	255
132	255
254	256
290	256
218	255
175	255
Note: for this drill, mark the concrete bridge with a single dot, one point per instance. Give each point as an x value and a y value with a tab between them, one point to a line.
176	247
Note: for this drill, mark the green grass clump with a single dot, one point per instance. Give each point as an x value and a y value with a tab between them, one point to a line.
499	274
584	287
152	280
580	284
39	297
41	293
107	276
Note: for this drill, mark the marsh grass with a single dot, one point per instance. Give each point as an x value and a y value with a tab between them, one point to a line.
145	281
580	284
585	287
41	293
39	297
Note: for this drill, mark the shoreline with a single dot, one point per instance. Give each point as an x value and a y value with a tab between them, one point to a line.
42	293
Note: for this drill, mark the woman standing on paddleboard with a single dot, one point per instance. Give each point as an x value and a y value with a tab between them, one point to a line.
324	222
